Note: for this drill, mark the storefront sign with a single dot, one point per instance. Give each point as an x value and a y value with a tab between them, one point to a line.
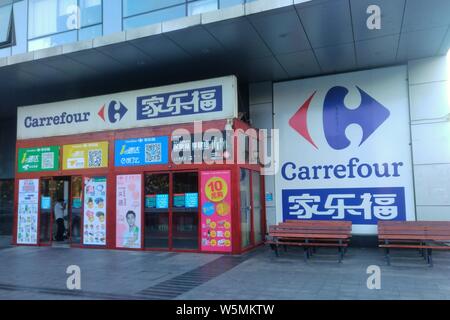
216	211
94	231
85	156
128	210
190	150
141	151
204	100
28	211
349	153
38	159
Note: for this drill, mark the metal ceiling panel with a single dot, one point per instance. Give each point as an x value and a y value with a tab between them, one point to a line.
73	69
420	44
391	18
326	23
445	47
161	49
337	58
127	54
197	41
378	51
299	64
98	61
423	14
239	38
281	30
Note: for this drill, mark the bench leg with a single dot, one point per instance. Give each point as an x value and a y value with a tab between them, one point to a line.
430	257
276	251
285	248
306	254
341	251
388	258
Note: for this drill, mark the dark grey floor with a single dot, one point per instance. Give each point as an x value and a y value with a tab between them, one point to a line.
40	273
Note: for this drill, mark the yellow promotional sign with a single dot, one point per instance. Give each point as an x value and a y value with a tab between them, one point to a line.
85	156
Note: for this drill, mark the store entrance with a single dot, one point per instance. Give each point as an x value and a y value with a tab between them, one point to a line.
60	210
171	217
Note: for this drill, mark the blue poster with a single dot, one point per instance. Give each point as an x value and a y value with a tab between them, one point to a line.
191	200
162	201
359	205
141	151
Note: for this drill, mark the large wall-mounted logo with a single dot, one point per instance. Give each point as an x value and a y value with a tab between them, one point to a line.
115	112
369	115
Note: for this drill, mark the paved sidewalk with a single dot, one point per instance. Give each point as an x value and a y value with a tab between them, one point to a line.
40	273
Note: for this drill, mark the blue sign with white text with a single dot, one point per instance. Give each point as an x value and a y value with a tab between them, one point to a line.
181	103
141	151
359	205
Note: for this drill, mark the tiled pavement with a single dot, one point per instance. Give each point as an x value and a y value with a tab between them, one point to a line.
40	273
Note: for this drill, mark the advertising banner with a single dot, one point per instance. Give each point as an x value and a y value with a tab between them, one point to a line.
128	211
205	100
94	231
28	211
141	151
85	156
216	211
349	152
38	159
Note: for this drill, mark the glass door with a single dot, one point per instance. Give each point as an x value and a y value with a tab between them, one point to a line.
76	201
47	192
245	208
185	210
156	213
257	206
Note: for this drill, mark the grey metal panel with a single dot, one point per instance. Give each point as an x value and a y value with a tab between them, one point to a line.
300	64
239	38
70	67
378	51
161	49
44	73
97	61
197	41
264	69
326	23
391	18
281	30
420	44
336	58
423	14
127	54
445	47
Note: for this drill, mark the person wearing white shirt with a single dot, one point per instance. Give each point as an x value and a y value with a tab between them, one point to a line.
60	206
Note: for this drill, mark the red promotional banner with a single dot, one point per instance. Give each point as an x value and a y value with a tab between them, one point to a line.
216	211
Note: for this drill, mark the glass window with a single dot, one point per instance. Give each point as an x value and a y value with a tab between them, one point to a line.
6	27
201	6
133	7
257	208
91	12
52	41
245	209
154	17
230	3
90	32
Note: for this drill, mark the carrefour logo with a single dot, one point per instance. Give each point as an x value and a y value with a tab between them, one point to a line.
115	112
369	115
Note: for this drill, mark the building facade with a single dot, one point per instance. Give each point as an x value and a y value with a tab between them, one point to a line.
355	94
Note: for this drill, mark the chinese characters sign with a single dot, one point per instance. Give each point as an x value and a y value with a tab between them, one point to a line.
128	210
94	221
28	211
180	103
216	211
38	159
141	151
361	206
85	156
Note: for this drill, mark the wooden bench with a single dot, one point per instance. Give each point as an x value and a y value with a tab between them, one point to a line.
310	234
423	235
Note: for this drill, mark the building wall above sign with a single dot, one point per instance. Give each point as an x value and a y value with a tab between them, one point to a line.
204	100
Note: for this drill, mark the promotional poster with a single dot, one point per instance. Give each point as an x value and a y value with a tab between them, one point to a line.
94	230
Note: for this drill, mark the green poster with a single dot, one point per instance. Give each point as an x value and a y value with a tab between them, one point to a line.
38	159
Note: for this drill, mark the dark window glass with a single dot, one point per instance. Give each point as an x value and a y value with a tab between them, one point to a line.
6	25
6	206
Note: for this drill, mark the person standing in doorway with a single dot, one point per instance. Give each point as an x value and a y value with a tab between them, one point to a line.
60	207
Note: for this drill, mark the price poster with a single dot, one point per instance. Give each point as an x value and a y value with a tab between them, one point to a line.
128	210
28	211
216	211
94	222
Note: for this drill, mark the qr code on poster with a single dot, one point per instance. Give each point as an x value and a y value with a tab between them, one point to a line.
94	158
48	160
153	152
